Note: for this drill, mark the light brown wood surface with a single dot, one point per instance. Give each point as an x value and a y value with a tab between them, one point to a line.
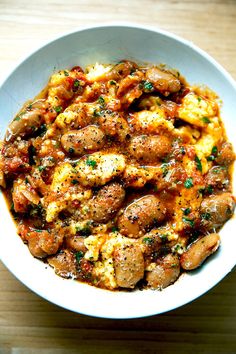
31	325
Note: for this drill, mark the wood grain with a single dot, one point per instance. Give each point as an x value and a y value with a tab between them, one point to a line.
29	324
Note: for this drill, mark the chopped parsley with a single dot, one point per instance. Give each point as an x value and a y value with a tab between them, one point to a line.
214	150
214	153
76	83
74	181
188	183
41	168
206	216
91	163
198	163
97	113
206	120
112	82
164	168
66	73
148	241
187	211
101	101
114	229
148	86
17	118
58	109
79	255
190	222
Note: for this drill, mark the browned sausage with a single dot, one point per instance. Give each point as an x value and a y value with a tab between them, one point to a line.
140	215
107	202
64	264
88	139
165	273
226	155
129	265
150	148
217	177
76	243
199	251
216	210
121	70
28	120
42	243
163	81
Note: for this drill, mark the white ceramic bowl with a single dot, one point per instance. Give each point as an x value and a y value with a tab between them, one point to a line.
106	44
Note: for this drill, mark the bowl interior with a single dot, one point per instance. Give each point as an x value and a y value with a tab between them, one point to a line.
108	44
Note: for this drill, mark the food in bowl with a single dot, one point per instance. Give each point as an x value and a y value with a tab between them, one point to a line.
119	175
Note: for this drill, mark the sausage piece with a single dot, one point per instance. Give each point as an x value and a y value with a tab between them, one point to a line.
165	273
199	251
107	202
27	121
129	265
78	142
226	155
163	81
216	210
121	70
140	215
64	264
150	148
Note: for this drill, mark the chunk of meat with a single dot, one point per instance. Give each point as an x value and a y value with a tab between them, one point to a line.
140	215
129	265
23	195
86	140
226	155
107	202
99	168
198	251
42	243
163	81
216	210
64	264
165	272
121	70
150	148
217	177
76	243
28	120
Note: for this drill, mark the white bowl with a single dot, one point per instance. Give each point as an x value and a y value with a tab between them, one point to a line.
106	44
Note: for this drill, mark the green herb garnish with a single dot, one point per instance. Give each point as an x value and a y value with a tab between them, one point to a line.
58	109
206	216
187	211
198	163
188	221
206	120
188	183
148	241
41	168
78	256
148	86
91	163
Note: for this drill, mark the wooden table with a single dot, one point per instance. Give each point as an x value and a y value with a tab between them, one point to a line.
29	324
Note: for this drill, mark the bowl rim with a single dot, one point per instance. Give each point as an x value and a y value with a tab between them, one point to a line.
128	25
